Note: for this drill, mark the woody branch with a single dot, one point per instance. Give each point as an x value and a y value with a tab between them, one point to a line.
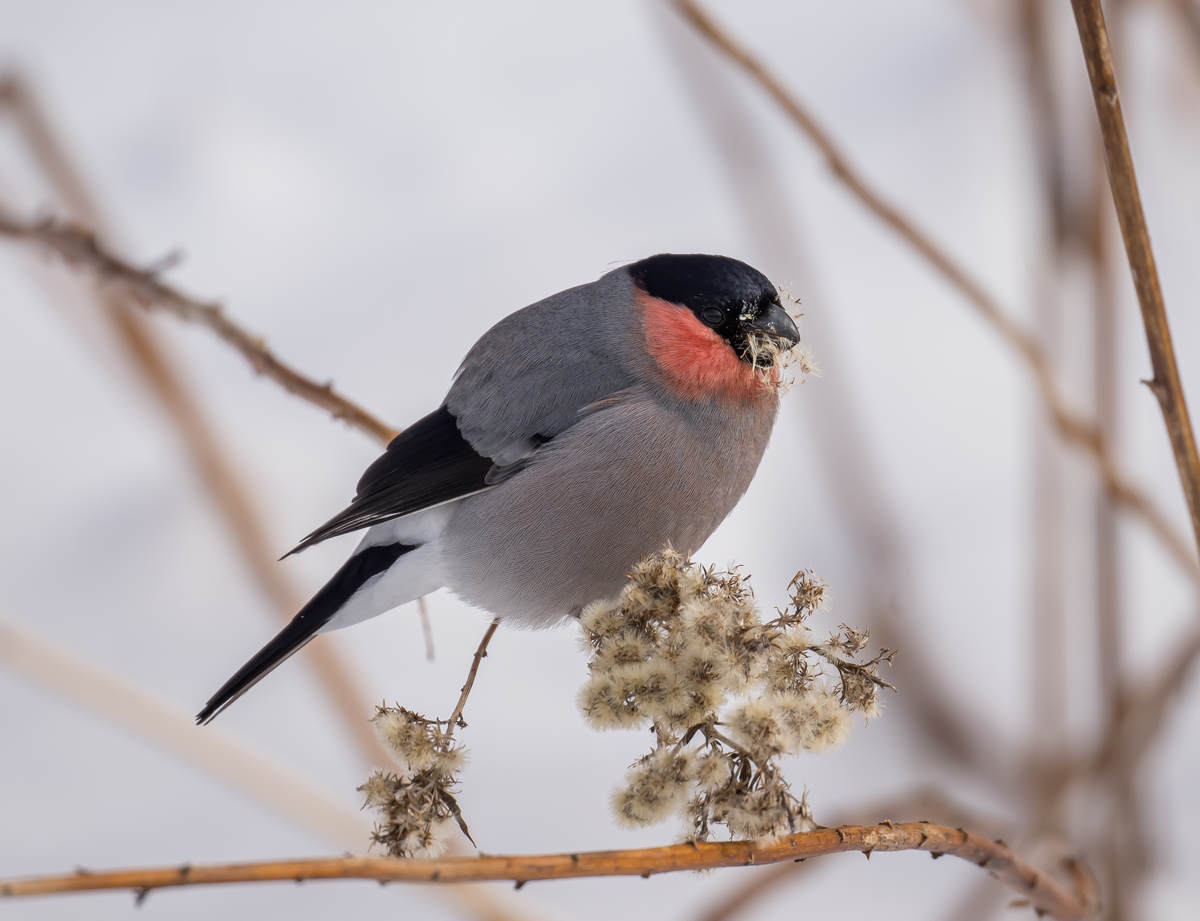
1073	900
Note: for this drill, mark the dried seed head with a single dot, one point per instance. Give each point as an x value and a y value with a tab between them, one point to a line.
816	721
378	789
757	726
604	706
683	651
416	807
655	787
711	770
601	619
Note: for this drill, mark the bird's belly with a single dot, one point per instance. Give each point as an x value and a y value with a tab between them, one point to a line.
566	530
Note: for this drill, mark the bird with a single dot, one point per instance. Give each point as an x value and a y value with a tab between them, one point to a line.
579	435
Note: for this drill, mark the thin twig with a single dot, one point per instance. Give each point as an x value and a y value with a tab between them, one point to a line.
1166	385
1075	428
426	627
1070	902
80	248
456	717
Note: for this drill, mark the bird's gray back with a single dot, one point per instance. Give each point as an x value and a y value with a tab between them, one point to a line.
527	378
640	472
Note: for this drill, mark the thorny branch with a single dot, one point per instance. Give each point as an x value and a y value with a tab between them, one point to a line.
1075	900
142	286
745	894
1075	428
1166	385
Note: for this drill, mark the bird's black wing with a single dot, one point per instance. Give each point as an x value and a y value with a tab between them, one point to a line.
425	465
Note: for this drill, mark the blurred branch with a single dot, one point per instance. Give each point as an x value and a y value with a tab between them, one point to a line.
166	384
1132	730
1105	373
1142	713
1076	429
1166	385
173	731
1188	12
1072	902
1046	121
426	627
840	444
19	102
80	249
1048	543
212	752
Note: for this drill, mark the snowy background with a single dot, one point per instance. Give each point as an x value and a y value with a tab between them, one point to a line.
339	175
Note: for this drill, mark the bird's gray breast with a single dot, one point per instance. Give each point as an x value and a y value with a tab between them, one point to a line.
622	482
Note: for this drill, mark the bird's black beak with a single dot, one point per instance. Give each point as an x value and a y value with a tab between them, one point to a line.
775	322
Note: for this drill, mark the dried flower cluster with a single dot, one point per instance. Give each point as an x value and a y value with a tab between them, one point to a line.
416	805
683	650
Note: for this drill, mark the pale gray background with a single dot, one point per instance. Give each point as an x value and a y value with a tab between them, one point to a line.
371	186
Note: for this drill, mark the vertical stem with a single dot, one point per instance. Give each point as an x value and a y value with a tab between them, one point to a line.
1166	384
1048	629
1105	374
1125	860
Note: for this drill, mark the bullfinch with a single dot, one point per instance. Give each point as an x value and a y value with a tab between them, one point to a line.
580	434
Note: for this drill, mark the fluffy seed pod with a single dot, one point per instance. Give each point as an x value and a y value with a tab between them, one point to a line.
683	651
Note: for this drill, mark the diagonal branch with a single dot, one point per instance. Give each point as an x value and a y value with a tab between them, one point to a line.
1076	429
169	388
1074	902
173	731
213	753
80	248
1166	385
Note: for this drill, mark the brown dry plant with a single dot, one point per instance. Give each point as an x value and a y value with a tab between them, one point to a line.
726	694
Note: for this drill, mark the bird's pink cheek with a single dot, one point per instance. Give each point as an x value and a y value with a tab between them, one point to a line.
694	360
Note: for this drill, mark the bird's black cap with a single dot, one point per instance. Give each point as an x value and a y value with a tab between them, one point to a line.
730	297
698	281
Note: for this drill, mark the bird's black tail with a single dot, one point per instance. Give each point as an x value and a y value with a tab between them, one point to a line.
364	565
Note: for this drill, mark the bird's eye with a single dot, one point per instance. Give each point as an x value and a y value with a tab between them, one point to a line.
713	316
